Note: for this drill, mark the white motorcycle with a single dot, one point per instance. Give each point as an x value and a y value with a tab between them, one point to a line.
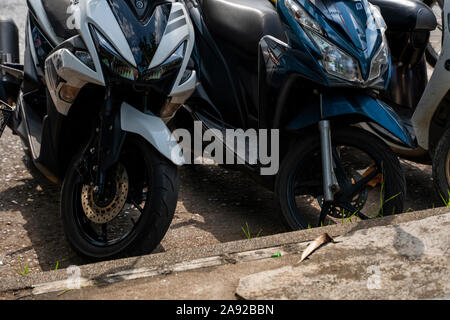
423	105
100	81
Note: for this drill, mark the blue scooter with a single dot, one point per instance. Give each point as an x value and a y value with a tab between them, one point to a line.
311	70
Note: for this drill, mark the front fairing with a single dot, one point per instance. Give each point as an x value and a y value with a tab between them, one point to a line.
143	28
348	24
159	39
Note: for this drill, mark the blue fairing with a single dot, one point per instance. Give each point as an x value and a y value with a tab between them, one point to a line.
373	110
345	23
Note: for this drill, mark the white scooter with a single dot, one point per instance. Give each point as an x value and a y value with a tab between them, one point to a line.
431	119
423	105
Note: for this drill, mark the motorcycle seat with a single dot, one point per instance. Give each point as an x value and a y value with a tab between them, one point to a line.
406	15
242	22
59	17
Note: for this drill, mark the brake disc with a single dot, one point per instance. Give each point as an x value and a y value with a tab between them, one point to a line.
358	202
106	212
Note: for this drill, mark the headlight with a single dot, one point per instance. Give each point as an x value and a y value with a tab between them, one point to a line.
303	17
380	61
172	63
112	59
337	62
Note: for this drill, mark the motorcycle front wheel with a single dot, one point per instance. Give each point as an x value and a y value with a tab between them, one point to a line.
135	210
371	180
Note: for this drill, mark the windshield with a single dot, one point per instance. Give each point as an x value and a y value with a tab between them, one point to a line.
143	26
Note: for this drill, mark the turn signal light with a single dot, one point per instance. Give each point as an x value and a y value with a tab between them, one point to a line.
68	93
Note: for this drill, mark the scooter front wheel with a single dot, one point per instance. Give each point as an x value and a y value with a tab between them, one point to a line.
133	213
370	178
441	167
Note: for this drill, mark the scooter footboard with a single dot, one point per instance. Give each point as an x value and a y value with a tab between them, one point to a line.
366	107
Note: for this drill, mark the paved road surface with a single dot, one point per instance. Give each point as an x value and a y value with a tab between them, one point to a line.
213	205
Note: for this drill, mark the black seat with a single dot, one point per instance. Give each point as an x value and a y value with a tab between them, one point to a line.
58	17
242	22
406	15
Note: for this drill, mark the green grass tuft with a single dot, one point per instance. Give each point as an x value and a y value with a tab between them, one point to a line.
247	232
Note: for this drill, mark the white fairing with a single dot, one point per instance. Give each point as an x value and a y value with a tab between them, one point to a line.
72	70
170	42
99	14
436	89
42	19
154	130
77	74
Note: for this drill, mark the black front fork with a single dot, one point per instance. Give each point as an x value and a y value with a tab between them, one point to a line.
109	142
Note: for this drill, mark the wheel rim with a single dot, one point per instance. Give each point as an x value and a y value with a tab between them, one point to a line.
305	192
120	224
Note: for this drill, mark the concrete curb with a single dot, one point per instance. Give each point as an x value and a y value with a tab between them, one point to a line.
194	258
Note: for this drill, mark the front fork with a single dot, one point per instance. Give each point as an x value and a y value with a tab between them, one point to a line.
330	183
109	142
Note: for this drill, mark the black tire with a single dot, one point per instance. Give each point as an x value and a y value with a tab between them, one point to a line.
156	216
441	165
394	180
430	53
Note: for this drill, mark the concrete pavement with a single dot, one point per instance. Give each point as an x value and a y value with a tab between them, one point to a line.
405	261
400	257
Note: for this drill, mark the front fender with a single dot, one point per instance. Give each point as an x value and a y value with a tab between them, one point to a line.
152	129
374	110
